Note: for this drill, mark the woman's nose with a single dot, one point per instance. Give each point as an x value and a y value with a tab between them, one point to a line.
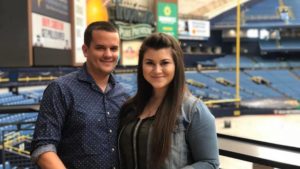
157	68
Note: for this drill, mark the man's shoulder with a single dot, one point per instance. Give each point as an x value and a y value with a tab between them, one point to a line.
63	82
67	78
121	90
119	87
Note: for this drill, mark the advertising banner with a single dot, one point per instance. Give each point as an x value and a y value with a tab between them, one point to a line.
139	5
167	21
79	26
130	51
134	31
193	29
50	33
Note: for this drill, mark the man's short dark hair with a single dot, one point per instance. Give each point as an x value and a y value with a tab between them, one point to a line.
99	25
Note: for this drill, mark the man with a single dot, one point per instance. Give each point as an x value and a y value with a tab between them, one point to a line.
38	41
78	120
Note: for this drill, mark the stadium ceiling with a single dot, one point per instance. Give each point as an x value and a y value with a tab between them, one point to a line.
205	9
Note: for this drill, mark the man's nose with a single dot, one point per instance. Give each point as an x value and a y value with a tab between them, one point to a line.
107	52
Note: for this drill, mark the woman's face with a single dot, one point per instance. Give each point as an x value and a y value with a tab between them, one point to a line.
158	68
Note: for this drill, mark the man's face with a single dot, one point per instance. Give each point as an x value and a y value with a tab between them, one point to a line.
102	54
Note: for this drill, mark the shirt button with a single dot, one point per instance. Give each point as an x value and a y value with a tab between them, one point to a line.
110	131
108	113
112	149
113	167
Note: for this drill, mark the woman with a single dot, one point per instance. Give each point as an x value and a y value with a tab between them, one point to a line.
163	126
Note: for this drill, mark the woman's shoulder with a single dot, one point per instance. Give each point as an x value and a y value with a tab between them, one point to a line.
189	99
192	105
189	102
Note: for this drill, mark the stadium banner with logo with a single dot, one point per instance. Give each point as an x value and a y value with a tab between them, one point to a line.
80	24
193	29
130	52
132	11
51	26
50	33
167	18
138	5
133	31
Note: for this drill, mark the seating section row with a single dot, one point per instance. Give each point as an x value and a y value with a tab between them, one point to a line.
279	83
254	84
251	62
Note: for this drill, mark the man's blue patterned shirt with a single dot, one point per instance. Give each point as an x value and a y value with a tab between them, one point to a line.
80	122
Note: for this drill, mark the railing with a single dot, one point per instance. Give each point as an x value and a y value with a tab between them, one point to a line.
262	154
13	138
19	108
15	149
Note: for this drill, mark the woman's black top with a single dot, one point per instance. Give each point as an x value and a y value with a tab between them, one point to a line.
134	142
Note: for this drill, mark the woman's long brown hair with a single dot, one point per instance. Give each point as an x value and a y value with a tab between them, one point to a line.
169	109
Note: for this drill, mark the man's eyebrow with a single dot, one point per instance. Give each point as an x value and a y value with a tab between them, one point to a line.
99	45
115	46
